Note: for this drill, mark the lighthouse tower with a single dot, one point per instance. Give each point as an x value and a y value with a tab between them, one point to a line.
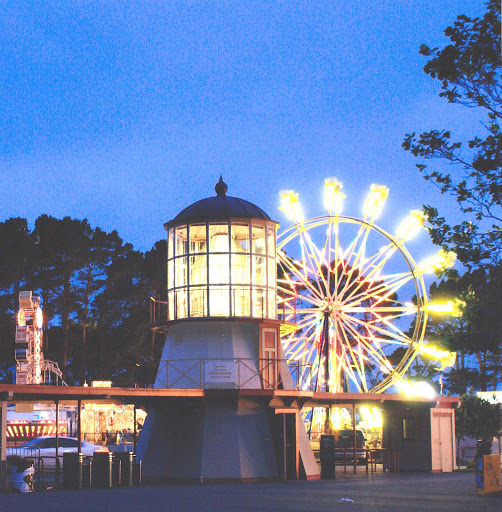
223	338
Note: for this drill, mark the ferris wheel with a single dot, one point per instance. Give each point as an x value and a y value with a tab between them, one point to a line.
352	300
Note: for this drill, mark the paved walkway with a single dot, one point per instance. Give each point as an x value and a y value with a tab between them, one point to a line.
378	493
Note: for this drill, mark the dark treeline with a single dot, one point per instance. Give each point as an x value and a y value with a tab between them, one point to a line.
96	298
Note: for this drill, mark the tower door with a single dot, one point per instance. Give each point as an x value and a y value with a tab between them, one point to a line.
269	370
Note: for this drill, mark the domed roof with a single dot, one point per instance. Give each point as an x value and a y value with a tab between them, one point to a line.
221	207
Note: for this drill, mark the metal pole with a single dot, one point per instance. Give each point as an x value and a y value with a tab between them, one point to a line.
354	433
79	426
57	441
325	352
284	449
134	416
3	430
3	442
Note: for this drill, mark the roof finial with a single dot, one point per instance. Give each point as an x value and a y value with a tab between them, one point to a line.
221	188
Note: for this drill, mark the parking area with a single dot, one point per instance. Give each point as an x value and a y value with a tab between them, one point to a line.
383	492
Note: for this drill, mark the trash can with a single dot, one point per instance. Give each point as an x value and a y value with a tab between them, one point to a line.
72	470
102	469
327	456
22	473
125	460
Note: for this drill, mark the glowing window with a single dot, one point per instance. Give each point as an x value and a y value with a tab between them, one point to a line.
259	307
272	304
198	238
181	241
170	303
240	237
258	239
198	269
170	244
259	270
170	274
180	271
241	301
241	271
272	270
218	238
219	268
198	301
219	301
180	300
271	241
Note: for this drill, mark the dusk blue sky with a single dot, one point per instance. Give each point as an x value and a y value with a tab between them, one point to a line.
125	112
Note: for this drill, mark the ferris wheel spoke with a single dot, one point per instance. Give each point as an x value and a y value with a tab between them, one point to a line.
350	355
387	318
314	301
372	274
302	353
356	335
352	247
398	311
306	291
378	359
353	252
307	323
332	230
367	293
302	279
387	287
309	258
394	333
360	255
323	263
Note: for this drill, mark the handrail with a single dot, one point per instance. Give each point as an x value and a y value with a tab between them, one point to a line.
391	467
233	373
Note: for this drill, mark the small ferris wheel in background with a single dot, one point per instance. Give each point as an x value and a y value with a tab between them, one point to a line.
352	299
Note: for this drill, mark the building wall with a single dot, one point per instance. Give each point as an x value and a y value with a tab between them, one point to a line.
407	429
190	347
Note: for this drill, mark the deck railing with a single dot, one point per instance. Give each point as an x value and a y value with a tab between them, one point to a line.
233	373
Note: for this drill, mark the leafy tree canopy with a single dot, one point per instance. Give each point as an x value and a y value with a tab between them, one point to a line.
469	169
469	69
95	291
479	419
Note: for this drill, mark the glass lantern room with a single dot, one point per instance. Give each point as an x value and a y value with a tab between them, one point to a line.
221	267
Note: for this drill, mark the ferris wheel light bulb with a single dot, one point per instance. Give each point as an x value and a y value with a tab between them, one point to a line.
333	197
375	201
433	352
291	206
453	307
442	260
441	307
412	225
424	389
405	387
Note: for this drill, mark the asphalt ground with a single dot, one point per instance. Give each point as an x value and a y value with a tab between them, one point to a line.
403	492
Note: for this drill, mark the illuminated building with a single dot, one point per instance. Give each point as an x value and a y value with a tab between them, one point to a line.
223	336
